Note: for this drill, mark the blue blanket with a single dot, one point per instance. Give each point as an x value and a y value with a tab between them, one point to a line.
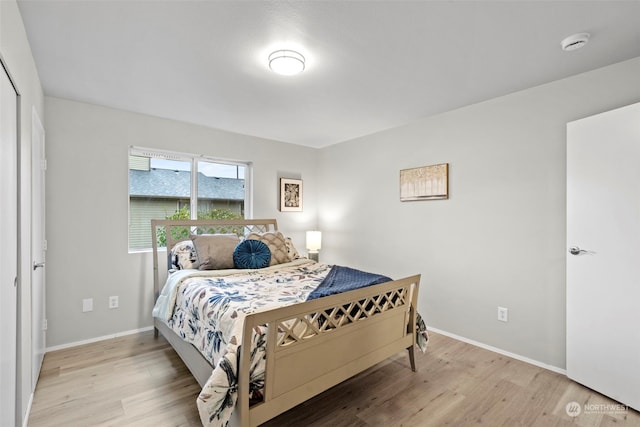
344	279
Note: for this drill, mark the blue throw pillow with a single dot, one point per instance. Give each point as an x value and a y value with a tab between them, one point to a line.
251	254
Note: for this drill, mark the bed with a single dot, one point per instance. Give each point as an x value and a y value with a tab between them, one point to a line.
300	347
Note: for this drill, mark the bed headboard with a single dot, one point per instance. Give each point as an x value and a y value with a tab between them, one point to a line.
179	230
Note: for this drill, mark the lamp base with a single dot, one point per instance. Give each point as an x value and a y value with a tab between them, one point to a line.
313	256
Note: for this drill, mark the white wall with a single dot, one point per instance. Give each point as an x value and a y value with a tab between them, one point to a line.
500	238
87	208
16	53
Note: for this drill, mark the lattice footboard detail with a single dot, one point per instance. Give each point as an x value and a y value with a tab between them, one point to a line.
314	345
302	328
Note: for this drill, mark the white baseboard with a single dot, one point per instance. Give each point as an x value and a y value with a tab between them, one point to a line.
500	351
25	421
102	338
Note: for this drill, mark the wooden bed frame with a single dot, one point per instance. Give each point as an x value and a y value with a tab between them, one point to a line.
382	322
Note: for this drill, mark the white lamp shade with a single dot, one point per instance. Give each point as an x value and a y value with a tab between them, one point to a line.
286	62
314	240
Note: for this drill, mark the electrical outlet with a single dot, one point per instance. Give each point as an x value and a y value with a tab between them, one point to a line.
503	314
87	305
113	302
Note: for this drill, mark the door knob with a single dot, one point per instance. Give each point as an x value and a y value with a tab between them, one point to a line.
37	264
575	250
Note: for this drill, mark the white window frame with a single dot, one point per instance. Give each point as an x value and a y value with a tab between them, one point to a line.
193	159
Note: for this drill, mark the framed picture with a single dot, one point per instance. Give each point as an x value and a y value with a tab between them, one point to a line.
425	183
290	195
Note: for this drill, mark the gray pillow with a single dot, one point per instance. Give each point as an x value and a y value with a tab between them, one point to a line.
215	251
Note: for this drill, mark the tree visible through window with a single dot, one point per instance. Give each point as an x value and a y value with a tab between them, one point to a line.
181	186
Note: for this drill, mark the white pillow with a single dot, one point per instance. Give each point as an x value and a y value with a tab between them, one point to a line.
183	256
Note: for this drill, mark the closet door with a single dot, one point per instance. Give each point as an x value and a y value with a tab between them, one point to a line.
8	247
38	247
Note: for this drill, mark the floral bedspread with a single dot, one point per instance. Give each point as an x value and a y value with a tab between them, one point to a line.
209	312
207	309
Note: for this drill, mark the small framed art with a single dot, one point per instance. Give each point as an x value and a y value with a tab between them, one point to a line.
290	195
425	183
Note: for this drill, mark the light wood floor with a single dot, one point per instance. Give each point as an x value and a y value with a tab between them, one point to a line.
140	381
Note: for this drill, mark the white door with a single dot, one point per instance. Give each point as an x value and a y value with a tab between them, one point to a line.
603	268
38	246
8	247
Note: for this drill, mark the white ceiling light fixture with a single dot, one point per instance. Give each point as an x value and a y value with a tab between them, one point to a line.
575	41
286	62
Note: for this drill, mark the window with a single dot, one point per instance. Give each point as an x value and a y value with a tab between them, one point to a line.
165	185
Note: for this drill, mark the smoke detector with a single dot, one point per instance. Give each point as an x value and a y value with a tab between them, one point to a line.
575	41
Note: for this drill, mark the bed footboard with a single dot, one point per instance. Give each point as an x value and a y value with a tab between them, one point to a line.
316	345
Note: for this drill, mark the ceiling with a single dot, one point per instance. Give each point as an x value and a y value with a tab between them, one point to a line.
371	65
